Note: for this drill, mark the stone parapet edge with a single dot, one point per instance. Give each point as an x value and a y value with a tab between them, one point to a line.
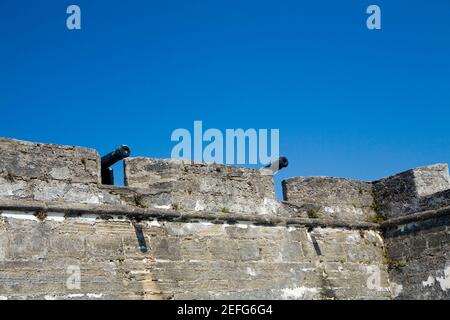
106	212
416	217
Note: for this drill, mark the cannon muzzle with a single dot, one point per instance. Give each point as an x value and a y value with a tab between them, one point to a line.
277	165
109	160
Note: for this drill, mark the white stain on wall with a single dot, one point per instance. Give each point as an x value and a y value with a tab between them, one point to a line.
299	293
444	281
251	271
396	289
19	215
429	282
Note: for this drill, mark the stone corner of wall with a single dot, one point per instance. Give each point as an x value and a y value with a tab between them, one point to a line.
403	193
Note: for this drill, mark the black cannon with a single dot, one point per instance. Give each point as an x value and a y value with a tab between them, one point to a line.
277	165
110	159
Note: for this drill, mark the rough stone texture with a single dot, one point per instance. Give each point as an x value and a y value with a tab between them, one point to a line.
435	201
183	184
48	172
61	191
221	233
331	197
419	259
173	260
403	193
22	160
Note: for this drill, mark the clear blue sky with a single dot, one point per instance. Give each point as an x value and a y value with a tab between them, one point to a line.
349	102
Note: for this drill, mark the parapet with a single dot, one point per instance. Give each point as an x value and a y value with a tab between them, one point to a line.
55	173
27	161
331	197
415	190
48	172
180	184
411	191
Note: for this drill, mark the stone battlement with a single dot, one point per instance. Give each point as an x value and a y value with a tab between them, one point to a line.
180	229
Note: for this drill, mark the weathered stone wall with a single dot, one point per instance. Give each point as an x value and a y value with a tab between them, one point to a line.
419	258
417	235
200	187
48	172
23	160
405	193
186	260
187	230
331	197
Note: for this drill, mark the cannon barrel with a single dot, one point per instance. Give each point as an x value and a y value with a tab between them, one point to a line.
110	159
115	156
277	165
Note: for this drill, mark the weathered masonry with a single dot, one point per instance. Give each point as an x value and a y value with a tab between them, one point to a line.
187	230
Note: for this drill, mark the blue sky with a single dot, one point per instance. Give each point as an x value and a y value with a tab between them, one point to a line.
349	102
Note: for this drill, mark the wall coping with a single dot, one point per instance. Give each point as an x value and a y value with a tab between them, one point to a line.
416	217
138	214
105	212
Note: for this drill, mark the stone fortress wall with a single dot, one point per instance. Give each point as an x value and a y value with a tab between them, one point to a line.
183	230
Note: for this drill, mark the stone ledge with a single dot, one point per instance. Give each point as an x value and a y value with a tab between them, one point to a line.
105	211
416	217
134	213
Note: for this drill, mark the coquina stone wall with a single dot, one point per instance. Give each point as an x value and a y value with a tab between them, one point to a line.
419	257
183	230
417	236
186	260
197	186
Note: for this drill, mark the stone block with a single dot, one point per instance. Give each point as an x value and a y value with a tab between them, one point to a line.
179	184
249	250
331	197
166	248
104	246
29	243
26	160
4	245
402	193
194	249
223	249
291	251
66	245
